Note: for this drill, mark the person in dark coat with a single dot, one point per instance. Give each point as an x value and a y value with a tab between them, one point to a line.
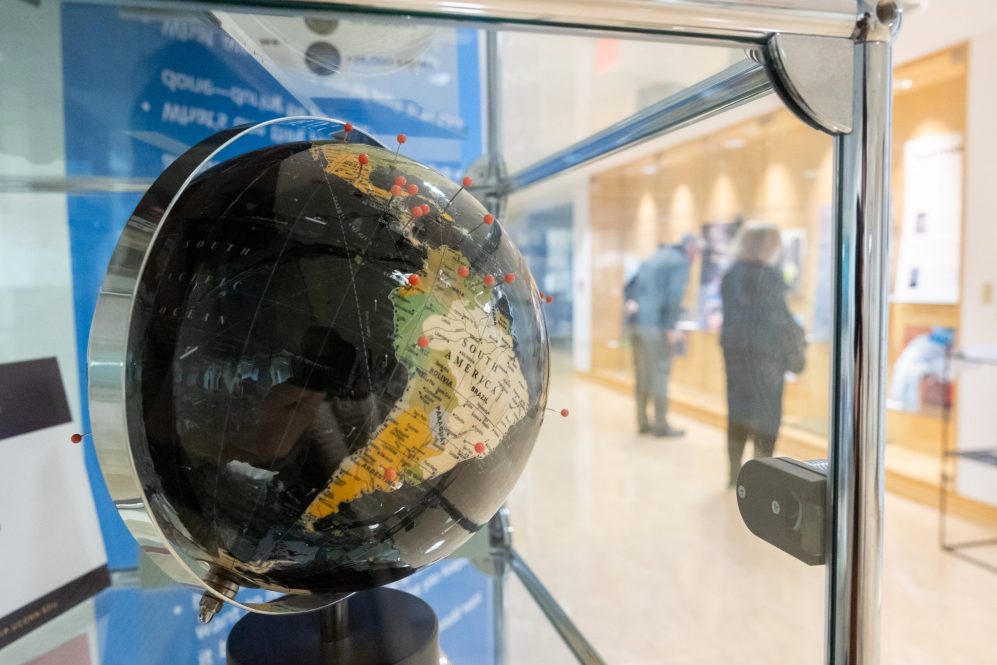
654	297
756	336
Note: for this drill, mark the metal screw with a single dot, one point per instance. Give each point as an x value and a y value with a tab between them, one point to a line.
776	508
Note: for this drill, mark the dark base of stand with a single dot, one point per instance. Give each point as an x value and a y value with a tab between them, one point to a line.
375	627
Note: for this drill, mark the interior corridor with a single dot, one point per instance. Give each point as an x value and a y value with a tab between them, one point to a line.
642	544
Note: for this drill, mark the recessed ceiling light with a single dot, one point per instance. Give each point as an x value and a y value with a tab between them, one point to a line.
650	169
734	144
905	84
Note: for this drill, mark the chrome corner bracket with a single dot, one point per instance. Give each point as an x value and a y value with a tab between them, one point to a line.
815	76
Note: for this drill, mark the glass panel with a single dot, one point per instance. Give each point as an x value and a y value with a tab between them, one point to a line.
637	537
559	89
602	486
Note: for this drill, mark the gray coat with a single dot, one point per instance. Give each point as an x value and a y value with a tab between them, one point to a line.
660	284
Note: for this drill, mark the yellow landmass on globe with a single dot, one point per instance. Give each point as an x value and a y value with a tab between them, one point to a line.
465	388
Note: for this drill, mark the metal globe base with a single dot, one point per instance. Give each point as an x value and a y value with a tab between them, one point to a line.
374	627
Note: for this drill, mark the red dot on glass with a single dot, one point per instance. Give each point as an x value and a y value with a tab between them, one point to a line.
76	438
565	413
390	475
414	280
423	341
479	448
348	127
413	189
489	280
396	190
463	271
489	218
467	181
400	181
363	158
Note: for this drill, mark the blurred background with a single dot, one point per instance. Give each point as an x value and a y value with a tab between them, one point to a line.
638	538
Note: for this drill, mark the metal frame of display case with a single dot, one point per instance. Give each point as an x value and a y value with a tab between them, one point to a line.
830	62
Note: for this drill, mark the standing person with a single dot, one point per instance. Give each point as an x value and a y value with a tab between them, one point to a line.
656	293
760	339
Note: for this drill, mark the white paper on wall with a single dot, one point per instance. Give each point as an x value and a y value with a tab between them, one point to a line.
931	239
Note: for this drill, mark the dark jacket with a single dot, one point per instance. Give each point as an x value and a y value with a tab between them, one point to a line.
756	320
660	284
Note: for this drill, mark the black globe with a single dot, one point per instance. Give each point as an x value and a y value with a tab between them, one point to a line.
339	365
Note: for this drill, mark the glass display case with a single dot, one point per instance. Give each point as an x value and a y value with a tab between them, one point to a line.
598	555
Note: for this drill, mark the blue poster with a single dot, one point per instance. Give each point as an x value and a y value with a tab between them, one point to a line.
143	85
160	626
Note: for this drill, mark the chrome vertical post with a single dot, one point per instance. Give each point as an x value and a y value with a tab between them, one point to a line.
856	482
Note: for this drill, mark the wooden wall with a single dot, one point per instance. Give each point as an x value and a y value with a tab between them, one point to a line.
772	168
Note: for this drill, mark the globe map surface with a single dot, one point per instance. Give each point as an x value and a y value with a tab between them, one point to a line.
333	387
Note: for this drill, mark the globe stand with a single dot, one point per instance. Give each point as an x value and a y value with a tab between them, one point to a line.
374	627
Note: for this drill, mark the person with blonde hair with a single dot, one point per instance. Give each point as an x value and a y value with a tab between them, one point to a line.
760	339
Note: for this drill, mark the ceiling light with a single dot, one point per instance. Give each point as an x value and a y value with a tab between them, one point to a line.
734	144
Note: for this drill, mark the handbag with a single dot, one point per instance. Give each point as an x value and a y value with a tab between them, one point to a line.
796	351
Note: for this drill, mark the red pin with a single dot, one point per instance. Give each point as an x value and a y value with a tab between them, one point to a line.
390	475
489	280
423	341
414	280
76	438
479	448
401	138
509	278
466	182
541	295
489	218
564	412
396	190
417	212
550	299
347	128
425	208
463	271
413	189
364	160
400	181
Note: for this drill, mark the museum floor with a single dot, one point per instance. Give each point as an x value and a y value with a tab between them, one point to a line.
642	544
